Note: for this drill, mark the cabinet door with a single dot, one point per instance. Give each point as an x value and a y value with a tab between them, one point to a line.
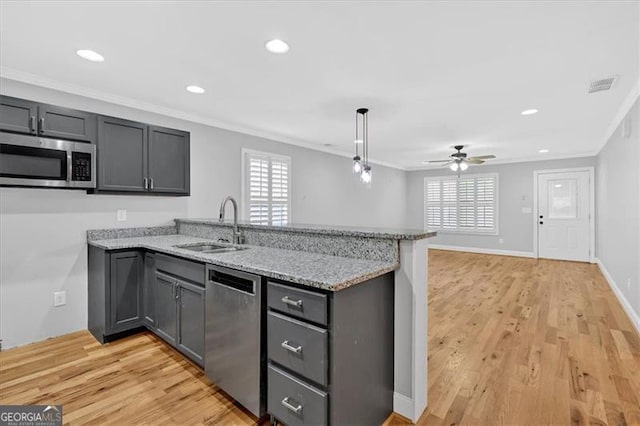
125	290
191	321
66	123
122	155
168	160
166	307
18	115
149	291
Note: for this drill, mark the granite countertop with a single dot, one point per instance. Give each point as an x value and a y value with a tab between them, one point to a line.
350	231
326	272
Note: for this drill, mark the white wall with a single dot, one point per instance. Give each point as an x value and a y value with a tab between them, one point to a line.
515	191
618	209
42	232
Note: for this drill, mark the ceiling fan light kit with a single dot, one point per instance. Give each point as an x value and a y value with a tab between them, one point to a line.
361	165
459	161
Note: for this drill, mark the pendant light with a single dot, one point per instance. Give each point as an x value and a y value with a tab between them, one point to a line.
357	164
361	164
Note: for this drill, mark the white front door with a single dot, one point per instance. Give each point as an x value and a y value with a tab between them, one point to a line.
564	216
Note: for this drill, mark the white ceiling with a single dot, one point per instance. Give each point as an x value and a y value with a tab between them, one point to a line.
432	74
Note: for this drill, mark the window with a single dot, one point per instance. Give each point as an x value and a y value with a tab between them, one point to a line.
468	204
266	188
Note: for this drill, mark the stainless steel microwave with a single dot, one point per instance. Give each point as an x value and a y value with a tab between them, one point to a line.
42	162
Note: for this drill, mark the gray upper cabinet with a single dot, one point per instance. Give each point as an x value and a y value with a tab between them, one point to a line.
168	160
66	123
122	155
18	115
22	116
191	320
126	290
137	158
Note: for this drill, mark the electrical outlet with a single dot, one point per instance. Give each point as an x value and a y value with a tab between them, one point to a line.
59	298
501	241
121	214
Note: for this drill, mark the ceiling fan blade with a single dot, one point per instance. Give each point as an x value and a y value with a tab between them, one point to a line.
448	164
482	157
474	161
437	161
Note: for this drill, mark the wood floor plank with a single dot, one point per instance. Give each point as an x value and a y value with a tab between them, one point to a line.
512	341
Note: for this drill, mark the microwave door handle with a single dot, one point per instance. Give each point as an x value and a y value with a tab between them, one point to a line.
69	167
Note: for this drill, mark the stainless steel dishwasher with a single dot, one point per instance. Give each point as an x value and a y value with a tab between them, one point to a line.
235	358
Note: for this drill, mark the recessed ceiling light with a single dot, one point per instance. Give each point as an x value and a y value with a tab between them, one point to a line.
277	46
543	151
529	111
195	89
90	55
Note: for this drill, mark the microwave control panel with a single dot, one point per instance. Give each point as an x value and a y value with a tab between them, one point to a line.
80	166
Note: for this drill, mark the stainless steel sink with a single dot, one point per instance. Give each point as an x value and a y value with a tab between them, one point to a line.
210	247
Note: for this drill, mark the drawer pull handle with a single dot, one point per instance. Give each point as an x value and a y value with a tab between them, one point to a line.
297	409
296	303
287	346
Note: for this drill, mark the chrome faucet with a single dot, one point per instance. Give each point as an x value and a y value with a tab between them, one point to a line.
238	236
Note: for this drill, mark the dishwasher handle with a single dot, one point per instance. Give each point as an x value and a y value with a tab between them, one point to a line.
234	280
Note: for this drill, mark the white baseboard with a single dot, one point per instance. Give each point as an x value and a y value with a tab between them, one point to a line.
635	319
483	250
403	405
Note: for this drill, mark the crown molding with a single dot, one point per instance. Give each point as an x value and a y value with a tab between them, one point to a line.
38	80
623	110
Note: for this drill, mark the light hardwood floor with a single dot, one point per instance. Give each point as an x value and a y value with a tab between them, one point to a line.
512	341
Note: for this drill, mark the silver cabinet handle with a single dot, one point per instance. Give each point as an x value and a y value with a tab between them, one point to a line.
151	184
287	346
296	303
32	124
42	125
145	182
287	405
177	290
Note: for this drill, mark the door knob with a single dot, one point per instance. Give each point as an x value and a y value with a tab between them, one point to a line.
540	222
540	216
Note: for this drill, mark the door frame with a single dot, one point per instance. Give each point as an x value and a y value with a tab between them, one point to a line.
592	207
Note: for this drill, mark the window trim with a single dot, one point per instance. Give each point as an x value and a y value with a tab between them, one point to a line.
244	194
494	232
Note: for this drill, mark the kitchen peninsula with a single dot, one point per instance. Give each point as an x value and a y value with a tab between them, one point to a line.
354	283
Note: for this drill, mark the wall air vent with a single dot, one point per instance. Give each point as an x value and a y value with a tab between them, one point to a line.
603	84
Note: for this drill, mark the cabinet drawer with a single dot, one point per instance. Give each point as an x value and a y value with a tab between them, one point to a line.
297	346
192	271
299	303
293	401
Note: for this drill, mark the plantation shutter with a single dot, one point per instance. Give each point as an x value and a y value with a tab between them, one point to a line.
267	193
467	204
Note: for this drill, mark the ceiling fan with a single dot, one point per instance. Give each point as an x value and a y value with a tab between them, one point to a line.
459	160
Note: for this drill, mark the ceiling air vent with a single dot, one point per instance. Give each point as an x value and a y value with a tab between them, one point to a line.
602	84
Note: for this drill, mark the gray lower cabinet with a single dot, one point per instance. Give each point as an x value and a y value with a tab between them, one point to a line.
191	320
149	291
330	354
131	289
34	118
115	292
180	297
166	309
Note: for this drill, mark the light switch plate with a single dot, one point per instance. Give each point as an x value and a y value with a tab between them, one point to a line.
121	214
526	210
